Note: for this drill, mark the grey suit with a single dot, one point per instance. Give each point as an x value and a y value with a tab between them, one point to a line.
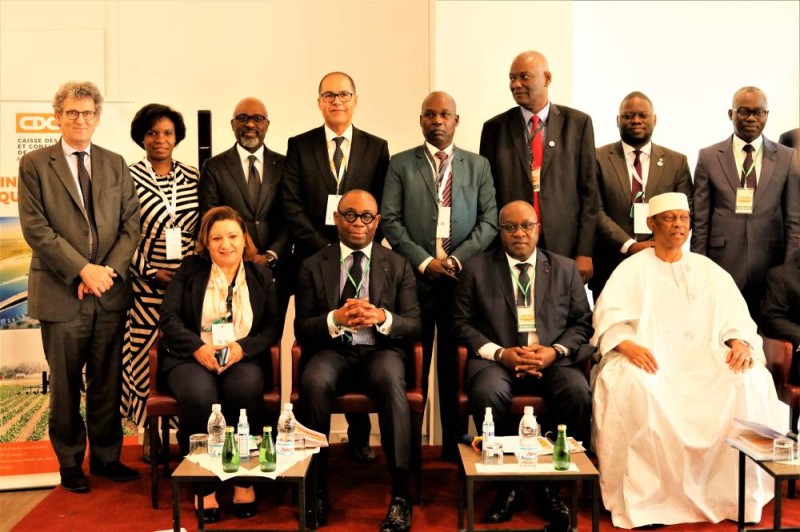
746	245
76	332
668	172
408	217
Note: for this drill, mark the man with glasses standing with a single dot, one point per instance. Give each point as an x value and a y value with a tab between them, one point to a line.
747	200
321	165
523	315
438	211
79	213
247	178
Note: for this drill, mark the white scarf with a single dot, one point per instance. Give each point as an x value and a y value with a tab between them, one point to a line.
215	302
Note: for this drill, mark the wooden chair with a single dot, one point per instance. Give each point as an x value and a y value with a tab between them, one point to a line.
779	362
164	406
357	403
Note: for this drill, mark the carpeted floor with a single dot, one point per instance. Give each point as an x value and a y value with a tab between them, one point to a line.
359	496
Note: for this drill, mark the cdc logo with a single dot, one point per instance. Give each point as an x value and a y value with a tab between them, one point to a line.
32	123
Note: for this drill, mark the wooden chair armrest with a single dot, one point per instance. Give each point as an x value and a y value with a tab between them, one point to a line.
416	361
462	367
275	353
152	356
779	360
297	352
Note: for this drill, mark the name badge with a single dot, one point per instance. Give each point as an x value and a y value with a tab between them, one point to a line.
536	174
744	200
443	223
222	333
174	251
640	212
333	205
526	320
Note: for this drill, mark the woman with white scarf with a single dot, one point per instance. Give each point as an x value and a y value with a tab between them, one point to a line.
219	301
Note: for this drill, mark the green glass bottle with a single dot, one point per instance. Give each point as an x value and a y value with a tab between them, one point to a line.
267	459
561	457
230	453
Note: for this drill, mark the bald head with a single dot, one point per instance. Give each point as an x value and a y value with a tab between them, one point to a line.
357	233
519	229
250	123
438	96
749	113
529	78
438	119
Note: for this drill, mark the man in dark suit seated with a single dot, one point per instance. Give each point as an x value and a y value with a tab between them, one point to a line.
321	165
780	314
523	314
356	315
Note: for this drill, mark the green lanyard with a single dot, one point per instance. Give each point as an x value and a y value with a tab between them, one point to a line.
524	289
740	163
363	277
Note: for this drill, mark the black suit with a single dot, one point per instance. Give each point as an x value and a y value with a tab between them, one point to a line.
241	385
333	366
309	180
568	192
485	312
222	182
780	314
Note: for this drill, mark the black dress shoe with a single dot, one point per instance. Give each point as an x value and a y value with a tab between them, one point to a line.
244	509
211	515
115	471
505	504
320	503
398	517
361	453
73	479
552	508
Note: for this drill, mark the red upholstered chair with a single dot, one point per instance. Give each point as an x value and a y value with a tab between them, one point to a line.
162	405
356	403
779	362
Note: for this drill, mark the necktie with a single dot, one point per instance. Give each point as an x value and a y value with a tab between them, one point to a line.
447	194
537	153
338	156
86	191
523	300
254	180
636	184
353	280
748	178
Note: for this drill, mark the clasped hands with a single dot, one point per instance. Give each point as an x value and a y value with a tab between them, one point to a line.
738	358
206	356
95	279
357	314
438	269
528	360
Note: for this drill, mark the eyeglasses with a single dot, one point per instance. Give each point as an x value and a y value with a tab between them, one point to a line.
87	115
329	97
631	116
512	228
743	112
350	216
256	119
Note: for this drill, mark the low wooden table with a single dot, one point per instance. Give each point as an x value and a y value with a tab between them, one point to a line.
188	471
779	472
468	475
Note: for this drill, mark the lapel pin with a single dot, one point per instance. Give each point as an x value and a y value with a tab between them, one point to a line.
551	143
660	161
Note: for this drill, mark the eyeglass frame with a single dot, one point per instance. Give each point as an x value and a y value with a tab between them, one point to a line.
330	97
354	215
510	228
87	115
244	119
758	113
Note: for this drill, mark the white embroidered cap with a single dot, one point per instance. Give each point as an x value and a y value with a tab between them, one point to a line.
669	201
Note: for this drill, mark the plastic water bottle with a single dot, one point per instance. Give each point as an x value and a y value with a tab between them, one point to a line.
284	444
528	439
243	436
230	455
266	452
488	436
216	431
561	450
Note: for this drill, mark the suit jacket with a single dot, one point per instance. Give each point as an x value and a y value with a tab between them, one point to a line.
791	139
56	228
485	307
391	287
668	172
409	209
780	315
568	184
182	311
222	182
309	180
746	246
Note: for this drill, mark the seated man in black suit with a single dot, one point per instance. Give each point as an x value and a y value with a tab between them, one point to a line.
356	313
523	314
780	312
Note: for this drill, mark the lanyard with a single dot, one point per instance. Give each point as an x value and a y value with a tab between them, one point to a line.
363	277
639	195
530	136
524	289
172	206
740	163
447	174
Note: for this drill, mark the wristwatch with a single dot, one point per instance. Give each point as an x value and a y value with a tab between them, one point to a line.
561	351
452	264
498	355
272	258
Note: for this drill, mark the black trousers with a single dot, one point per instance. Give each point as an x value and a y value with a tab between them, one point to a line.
375	371
93	339
564	389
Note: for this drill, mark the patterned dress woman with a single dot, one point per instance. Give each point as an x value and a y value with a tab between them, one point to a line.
167	192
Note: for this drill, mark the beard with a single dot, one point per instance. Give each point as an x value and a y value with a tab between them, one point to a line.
249	142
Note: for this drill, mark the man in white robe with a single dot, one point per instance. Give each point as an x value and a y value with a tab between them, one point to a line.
680	360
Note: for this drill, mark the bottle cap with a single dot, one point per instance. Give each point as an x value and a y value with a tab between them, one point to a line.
488	410
216	407
267	428
562	428
242	414
229	430
528	410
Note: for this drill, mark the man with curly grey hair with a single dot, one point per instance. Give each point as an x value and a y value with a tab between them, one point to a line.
80	215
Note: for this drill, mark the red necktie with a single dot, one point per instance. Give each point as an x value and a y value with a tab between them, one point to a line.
636	184
749	173
447	194
537	151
